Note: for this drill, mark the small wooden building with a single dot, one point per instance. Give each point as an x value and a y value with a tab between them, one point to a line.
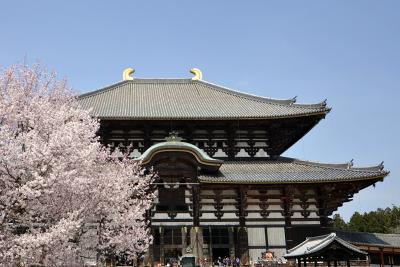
383	249
326	250
224	188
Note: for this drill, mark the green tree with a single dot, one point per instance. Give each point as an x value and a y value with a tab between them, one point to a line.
338	222
357	223
380	221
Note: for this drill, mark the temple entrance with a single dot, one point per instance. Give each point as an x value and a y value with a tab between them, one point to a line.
217	238
172	255
219	253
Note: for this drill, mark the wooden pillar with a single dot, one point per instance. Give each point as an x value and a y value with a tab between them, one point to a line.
348	262
329	263
196	205
231	242
196	232
196	240
382	257
161	229
315	262
210	245
286	199
149	255
242	237
146	137
335	263
299	262
322	203
184	240
231	142
305	262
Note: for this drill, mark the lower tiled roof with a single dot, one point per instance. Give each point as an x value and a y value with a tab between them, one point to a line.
288	170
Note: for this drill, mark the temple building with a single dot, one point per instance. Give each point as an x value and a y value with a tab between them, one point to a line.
224	188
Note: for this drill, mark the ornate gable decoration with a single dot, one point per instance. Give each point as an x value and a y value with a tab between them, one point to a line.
174	144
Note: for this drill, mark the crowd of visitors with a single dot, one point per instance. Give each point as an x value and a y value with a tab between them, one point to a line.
228	261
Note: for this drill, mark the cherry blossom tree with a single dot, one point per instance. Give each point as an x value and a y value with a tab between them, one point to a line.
63	196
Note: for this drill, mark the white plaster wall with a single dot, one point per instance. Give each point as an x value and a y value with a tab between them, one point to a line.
253	207
164	216
229	207
171	223
229	192
220	153
242	153
275	215
229	216
207	192
261	153
233	223
208	216
265	222
207	208
312	207
207	200
254	215
307	223
242	144
256	236
276	236
183	216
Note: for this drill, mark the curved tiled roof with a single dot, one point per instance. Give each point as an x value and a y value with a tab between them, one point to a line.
160	99
178	146
315	245
288	170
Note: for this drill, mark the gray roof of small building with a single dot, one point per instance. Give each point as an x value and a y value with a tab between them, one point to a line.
180	99
391	239
313	245
288	170
376	239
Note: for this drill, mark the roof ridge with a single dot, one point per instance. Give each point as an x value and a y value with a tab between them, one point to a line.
118	84
260	99
102	89
270	100
392	234
341	166
338	166
329	238
238	93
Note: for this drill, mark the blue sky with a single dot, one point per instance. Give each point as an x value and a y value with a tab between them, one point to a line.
345	51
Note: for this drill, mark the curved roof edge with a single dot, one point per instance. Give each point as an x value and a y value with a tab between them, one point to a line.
346	165
320	108
178	146
290	101
313	245
273	171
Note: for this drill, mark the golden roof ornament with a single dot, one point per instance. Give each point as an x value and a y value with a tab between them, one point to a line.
127	74
173	137
198	75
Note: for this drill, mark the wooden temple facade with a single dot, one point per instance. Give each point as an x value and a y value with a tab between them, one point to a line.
224	188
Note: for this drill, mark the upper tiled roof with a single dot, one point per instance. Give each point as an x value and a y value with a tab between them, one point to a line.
160	99
288	170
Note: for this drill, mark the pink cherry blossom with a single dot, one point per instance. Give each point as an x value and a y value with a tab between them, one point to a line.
64	198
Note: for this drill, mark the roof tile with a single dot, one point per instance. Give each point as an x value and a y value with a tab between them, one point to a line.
187	99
